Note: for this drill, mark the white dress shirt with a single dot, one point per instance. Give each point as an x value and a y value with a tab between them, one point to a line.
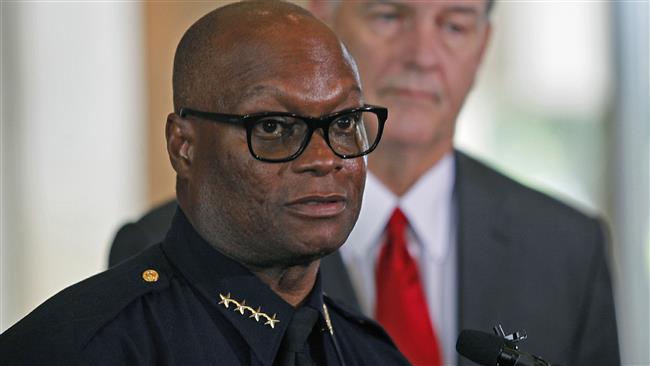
431	237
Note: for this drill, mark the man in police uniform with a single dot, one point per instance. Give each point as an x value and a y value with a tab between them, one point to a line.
487	249
263	194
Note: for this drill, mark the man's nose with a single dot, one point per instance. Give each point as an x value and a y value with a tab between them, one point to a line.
423	45
317	158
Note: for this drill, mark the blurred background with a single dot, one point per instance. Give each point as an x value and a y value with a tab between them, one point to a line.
562	104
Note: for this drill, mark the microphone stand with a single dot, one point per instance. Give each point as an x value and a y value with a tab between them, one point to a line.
510	355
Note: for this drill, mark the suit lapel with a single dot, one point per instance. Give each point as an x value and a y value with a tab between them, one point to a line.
485	258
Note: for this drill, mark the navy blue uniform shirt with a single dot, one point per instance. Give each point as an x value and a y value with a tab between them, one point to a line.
182	302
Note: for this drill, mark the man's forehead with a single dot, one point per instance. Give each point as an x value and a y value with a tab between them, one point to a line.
299	95
249	64
437	2
304	64
274	90
453	6
276	47
239	43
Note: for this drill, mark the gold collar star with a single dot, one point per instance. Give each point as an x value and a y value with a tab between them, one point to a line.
256	314
241	308
270	321
226	300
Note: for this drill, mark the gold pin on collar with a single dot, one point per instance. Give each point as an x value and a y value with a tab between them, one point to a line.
150	275
327	319
241	308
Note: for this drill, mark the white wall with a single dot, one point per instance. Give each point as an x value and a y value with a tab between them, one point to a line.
72	142
630	180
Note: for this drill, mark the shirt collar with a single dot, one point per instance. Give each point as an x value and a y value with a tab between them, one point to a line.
428	206
425	205
256	312
376	208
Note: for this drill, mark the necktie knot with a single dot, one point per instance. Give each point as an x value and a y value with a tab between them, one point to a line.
396	249
294	349
397	223
299	329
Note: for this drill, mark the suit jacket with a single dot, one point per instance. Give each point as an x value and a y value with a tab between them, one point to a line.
526	261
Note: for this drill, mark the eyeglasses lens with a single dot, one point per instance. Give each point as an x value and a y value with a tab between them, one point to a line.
279	137
353	134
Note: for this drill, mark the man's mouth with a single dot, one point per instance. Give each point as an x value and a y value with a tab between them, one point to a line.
318	205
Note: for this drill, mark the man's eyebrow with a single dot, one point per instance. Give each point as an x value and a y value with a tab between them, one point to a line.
387	2
371	3
454	9
396	4
460	9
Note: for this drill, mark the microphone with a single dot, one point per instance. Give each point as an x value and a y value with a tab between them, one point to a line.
491	350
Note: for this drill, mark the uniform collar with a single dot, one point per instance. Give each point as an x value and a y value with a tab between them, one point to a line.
256	312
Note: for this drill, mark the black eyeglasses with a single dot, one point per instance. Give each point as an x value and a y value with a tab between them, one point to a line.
281	136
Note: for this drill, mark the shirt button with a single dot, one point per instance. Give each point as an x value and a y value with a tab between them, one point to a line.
150	275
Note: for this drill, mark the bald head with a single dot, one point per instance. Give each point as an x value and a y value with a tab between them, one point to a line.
261	57
228	49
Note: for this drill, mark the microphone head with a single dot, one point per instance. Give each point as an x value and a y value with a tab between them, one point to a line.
480	347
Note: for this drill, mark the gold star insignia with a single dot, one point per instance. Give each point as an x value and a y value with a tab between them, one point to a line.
271	321
241	307
225	300
256	314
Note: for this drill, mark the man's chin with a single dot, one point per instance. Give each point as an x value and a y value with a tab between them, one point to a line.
308	257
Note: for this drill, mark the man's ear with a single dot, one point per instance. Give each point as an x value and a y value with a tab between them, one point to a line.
323	9
180	134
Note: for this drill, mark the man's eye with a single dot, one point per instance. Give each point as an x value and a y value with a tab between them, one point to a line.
386	19
346	123
343	123
455	28
459	24
272	127
386	16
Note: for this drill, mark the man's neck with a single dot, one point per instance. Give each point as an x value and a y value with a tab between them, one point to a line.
400	169
292	284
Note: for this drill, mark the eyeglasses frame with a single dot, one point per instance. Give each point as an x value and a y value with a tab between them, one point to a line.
313	123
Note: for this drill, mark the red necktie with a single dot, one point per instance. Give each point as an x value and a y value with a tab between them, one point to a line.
401	306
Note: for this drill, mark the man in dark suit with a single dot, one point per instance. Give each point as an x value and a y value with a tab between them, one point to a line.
270	174
484	249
